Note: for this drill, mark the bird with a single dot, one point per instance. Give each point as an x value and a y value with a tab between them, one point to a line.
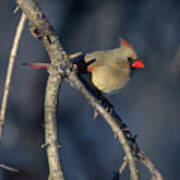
110	70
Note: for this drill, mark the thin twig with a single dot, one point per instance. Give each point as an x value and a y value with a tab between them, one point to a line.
16	10
12	57
8	168
156	175
123	165
71	56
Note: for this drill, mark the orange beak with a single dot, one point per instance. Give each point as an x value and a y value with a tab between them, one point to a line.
137	64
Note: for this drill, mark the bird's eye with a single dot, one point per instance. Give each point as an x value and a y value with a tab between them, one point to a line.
129	59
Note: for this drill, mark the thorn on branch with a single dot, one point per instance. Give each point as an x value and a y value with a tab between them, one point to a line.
96	113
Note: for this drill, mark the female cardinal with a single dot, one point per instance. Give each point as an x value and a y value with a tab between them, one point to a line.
110	69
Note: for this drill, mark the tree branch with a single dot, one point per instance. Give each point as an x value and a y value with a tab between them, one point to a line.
156	175
121	132
12	58
51	140
41	29
8	168
114	123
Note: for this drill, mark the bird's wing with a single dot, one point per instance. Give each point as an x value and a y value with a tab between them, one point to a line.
94	60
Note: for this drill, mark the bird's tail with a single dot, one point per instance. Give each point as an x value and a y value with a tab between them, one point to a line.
37	65
82	66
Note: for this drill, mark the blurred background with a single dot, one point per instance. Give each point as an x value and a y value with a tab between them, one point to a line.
149	104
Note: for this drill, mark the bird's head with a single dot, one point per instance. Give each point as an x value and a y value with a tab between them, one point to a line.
129	54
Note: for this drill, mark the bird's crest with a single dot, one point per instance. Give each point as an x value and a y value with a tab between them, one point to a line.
125	43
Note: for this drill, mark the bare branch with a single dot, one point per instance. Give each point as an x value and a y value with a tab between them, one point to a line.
12	57
123	165
51	140
8	168
114	124
42	30
156	175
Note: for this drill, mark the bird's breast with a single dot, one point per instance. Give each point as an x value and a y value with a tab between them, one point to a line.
108	79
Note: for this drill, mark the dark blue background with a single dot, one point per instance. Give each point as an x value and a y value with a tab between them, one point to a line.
149	104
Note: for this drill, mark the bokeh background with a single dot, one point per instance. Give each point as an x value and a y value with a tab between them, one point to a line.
149	104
